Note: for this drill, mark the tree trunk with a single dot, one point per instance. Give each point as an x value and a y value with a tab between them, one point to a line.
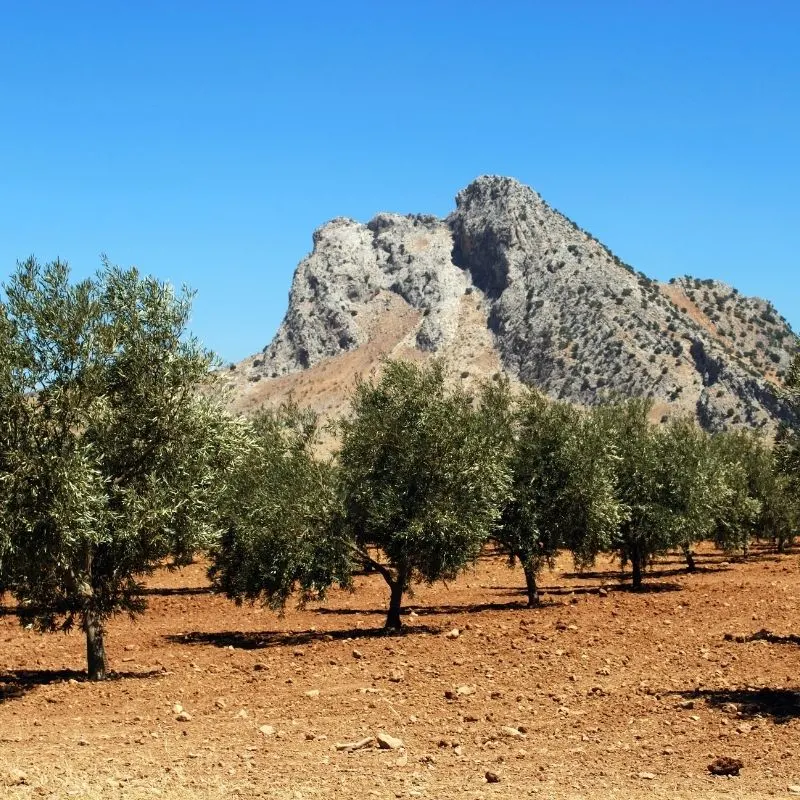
530	585
393	621
691	564
636	566
95	647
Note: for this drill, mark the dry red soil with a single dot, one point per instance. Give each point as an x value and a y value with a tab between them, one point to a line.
597	693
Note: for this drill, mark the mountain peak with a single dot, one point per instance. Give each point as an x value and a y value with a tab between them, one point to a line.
506	283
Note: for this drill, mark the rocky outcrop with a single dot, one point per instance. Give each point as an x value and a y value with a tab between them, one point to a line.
562	312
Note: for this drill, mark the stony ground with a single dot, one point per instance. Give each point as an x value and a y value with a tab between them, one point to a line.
600	692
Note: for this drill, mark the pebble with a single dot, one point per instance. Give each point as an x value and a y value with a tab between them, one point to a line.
465	690
396	675
267	730
357	654
312	693
793	788
647	776
183	716
492	777
453	634
513	733
19	778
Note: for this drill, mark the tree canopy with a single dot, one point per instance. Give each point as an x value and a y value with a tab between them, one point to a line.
277	515
562	492
108	450
421	477
663	482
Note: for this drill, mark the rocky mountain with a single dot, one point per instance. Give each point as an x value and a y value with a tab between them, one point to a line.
508	283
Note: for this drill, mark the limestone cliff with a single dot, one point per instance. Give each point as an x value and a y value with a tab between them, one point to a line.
508	283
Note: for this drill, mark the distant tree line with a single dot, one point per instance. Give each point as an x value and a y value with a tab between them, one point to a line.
117	457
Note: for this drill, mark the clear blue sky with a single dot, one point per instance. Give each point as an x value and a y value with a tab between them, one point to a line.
204	141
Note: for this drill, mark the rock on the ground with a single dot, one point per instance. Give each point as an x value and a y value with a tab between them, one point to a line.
725	765
387	742
359	744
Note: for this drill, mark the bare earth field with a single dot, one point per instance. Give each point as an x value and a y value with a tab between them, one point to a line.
598	693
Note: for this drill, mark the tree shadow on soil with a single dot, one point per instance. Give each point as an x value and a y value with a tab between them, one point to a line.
429	611
509	605
17	683
781	705
647	588
665	572
765	636
258	640
170	591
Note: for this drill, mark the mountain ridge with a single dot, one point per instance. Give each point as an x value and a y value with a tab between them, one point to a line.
507	283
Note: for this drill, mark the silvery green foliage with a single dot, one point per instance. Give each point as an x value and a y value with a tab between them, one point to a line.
108	452
692	486
276	515
788	438
562	491
759	495
743	463
421	476
664	481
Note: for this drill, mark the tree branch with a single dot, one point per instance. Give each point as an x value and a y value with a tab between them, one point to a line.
387	574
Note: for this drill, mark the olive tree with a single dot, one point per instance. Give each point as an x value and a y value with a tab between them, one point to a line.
693	487
763	500
108	451
743	462
787	443
562	492
658	509
276	517
421	478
